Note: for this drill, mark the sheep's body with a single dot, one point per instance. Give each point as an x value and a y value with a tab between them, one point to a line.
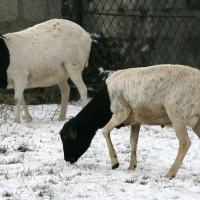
151	92
45	55
157	95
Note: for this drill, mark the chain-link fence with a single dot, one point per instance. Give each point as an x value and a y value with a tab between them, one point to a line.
135	33
125	34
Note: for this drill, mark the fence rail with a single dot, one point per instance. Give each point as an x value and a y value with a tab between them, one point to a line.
136	15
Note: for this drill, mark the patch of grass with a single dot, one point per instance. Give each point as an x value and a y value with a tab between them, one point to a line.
7	194
40	187
5	174
69	178
197	181
2	161
79	174
50	164
4	136
89	166
43	190
143	182
50	193
23	148
52	181
51	171
130	180
126	151
27	172
83	196
41	193
145	177
3	149
38	171
14	161
156	132
46	192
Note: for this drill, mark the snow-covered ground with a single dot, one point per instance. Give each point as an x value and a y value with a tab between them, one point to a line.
32	164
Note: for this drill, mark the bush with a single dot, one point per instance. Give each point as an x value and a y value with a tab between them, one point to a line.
105	57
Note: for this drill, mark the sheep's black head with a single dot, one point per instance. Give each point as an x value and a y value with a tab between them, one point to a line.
75	141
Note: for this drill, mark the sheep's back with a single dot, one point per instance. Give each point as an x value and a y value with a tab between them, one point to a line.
155	86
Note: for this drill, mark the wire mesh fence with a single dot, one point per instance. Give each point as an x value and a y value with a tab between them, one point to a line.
135	33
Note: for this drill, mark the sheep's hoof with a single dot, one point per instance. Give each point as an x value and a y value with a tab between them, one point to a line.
28	119
61	119
16	121
115	166
132	167
170	176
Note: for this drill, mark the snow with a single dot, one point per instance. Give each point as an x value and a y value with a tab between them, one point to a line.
107	72
40	172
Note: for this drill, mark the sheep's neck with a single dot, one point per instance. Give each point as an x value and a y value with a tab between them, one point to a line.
97	112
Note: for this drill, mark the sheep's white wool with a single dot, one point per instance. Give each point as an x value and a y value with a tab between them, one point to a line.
46	54
42	54
154	92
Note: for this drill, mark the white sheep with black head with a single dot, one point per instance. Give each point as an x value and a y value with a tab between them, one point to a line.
157	95
44	55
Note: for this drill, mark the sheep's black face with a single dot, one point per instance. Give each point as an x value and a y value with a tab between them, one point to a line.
74	145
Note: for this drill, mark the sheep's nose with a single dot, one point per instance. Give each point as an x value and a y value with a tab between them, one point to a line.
72	160
66	158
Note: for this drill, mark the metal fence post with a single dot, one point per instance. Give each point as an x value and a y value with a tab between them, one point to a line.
78	11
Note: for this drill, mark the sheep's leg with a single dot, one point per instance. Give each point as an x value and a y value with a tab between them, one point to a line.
19	88
78	81
116	120
76	76
133	140
28	117
184	144
65	90
196	129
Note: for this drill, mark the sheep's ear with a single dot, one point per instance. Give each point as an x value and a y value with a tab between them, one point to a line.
72	132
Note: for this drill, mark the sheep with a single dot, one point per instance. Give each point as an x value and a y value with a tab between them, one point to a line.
156	95
44	55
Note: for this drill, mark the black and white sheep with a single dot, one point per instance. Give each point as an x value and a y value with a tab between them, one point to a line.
157	95
44	55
